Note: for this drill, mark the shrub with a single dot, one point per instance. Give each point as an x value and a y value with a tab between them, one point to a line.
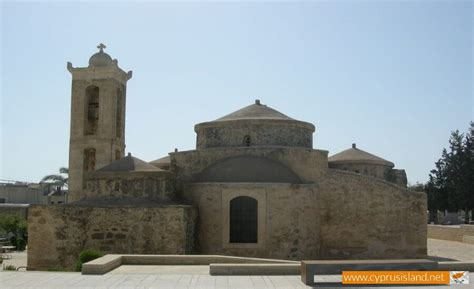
1	259
17	227
9	268
86	256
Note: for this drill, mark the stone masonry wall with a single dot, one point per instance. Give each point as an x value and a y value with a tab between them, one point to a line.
150	185
288	219
363	217
342	216
57	234
460	233
254	133
308	164
375	170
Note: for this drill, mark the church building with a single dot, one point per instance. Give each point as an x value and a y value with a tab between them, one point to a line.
253	186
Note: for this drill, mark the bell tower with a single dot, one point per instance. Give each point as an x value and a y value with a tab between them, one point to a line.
97	117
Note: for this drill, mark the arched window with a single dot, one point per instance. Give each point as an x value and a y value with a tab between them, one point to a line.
246	141
89	160
92	110
243	220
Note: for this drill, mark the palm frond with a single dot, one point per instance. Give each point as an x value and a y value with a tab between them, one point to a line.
63	170
54	178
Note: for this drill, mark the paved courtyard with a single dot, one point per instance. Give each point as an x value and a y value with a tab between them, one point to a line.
177	277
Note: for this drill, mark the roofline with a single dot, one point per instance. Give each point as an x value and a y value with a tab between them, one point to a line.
371	162
131	174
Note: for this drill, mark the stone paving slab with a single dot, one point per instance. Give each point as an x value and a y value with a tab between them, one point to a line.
60	280
190	277
163	269
451	250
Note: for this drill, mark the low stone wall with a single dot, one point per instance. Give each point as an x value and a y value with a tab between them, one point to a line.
461	233
14	209
57	234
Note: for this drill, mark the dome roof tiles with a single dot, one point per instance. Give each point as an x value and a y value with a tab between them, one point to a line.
355	155
129	164
254	111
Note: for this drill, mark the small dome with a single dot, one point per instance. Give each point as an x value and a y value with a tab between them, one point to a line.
163	160
128	164
356	155
100	58
162	163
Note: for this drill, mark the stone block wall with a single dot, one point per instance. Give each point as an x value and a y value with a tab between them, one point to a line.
308	164
383	172
20	210
461	233
254	133
150	185
342	216
364	217
288	219
57	234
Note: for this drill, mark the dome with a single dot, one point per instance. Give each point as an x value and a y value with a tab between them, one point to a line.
255	111
100	58
254	125
128	164
162	163
355	155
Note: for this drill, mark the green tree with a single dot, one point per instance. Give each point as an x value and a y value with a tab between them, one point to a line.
451	183
59	181
17	226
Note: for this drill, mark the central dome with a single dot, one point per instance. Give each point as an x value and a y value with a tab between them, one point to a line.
254	125
255	111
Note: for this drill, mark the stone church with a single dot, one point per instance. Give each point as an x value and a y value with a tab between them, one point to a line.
254	186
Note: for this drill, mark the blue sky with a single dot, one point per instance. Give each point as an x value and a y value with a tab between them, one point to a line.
393	76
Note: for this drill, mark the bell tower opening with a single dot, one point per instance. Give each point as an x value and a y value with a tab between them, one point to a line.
89	160
118	114
92	109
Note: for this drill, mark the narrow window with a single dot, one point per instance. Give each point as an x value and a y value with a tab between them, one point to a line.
118	155
92	110
89	159
246	141
243	220
118	114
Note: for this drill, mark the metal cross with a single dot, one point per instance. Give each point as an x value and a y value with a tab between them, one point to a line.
101	47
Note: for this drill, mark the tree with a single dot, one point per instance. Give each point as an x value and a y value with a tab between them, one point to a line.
451	183
17	227
58	180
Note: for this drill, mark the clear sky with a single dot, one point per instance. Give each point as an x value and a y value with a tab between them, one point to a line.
393	76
